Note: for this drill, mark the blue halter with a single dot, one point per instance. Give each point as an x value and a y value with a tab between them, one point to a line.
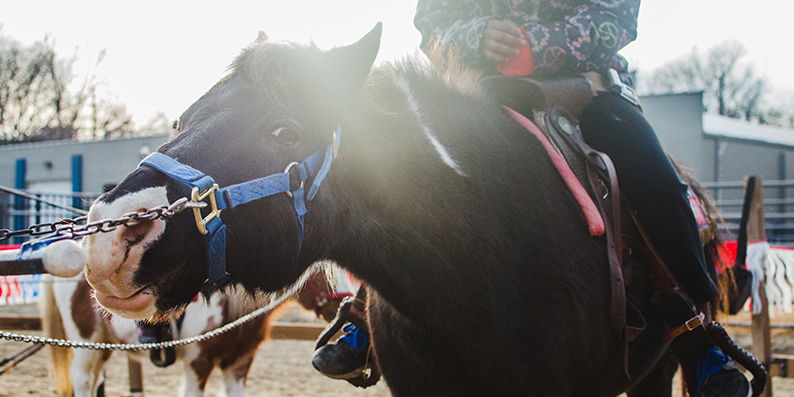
204	187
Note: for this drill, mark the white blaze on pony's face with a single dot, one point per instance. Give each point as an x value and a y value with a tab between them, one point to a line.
115	256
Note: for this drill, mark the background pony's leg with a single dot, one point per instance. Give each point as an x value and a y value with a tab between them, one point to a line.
234	376
659	382
69	312
52	322
86	371
197	370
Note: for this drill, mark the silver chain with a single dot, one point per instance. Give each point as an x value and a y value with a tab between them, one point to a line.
73	229
135	346
286	294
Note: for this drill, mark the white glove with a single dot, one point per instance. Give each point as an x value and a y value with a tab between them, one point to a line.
756	263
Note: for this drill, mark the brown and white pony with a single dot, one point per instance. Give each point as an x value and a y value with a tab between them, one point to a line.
69	311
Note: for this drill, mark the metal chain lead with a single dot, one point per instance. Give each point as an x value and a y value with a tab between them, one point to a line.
284	295
136	346
73	229
69	228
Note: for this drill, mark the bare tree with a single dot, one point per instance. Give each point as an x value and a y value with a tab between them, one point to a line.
157	124
106	119
41	98
730	86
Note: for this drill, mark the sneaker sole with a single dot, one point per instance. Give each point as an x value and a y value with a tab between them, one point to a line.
345	376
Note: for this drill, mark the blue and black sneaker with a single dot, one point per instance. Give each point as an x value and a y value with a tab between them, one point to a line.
346	358
717	376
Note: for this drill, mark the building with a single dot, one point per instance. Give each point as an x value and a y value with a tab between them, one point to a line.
67	173
719	148
67	166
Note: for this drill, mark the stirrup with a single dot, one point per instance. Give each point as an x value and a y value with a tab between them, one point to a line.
337	323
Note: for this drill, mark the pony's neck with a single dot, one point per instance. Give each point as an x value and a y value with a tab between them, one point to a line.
432	188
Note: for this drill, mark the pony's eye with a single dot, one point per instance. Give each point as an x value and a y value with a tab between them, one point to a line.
286	135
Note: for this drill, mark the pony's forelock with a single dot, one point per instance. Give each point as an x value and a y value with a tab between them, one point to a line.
273	65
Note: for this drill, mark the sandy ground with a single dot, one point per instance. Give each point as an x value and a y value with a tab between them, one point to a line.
282	368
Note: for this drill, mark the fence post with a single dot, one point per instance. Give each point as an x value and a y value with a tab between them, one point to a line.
20	182
756	231
77	180
135	372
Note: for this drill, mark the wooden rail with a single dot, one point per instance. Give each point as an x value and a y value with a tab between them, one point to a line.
20	323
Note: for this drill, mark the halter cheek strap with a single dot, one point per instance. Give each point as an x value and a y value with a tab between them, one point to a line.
203	187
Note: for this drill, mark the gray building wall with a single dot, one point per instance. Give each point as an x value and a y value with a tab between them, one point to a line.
678	121
742	158
103	161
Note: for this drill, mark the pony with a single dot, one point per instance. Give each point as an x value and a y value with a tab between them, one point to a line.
482	277
69	311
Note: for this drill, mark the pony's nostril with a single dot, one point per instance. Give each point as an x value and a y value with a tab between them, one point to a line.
136	233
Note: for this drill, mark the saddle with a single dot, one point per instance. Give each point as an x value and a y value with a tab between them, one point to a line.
554	107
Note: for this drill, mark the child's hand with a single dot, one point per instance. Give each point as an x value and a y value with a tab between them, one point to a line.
501	41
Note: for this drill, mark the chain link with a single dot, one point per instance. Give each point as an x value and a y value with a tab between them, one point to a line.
279	298
75	228
138	346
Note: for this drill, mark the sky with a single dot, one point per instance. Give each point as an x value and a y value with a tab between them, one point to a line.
162	55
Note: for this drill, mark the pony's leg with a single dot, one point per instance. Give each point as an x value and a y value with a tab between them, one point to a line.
234	376
197	371
86	371
658	382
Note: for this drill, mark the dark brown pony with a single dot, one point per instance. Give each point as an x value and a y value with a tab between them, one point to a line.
484	279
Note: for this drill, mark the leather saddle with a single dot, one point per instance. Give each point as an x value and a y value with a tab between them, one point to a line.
555	106
528	95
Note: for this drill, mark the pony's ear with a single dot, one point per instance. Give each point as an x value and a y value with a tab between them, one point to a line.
349	66
261	37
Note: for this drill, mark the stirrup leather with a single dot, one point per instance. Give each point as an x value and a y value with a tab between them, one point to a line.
689	325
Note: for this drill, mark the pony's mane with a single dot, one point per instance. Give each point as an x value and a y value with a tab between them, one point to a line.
273	66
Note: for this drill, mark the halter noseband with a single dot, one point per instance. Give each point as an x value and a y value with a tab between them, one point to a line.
203	187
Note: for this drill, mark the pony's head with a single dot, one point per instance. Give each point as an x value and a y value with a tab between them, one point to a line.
279	103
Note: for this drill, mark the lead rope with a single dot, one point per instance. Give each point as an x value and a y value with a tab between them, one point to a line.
284	295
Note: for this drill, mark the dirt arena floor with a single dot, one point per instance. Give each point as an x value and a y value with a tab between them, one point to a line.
282	368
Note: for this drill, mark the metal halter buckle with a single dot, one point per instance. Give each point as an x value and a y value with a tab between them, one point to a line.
196	197
287	170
